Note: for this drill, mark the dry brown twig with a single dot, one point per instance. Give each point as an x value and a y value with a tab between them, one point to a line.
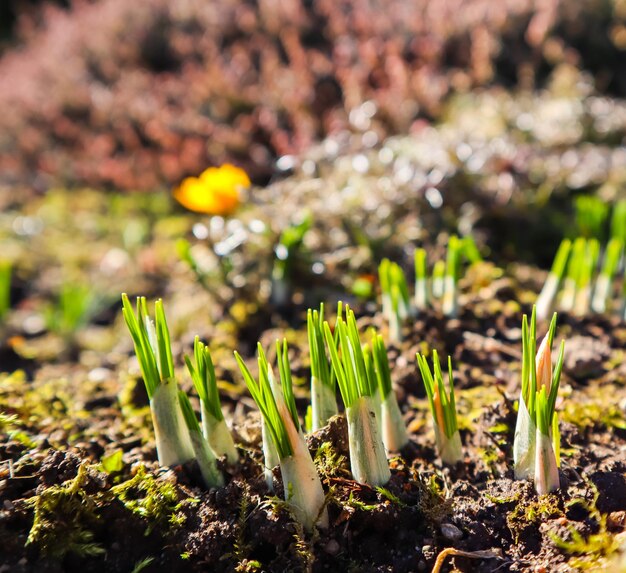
451	551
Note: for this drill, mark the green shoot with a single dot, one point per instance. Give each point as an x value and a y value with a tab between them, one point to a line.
154	354
72	310
287	252
421	280
358	388
6	270
618	221
591	215
394	432
538	376
611	261
449	304
204	454
204	380
349	368
323	398
585	276
263	395
396	301
214	426
470	250
551	286
439	273
302	486
144	347
442	407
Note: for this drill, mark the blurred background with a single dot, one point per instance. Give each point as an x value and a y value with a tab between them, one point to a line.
134	96
366	128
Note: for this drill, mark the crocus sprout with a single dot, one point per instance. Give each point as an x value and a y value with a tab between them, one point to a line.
421	280
302	486
591	215
216	192
610	263
442	407
570	283
450	304
396	301
394	432
618	221
537	375
358	388
205	456
586	271
438	279
154	353
323	392
551	286
214	426
5	287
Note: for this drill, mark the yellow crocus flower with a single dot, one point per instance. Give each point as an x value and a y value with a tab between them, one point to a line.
217	191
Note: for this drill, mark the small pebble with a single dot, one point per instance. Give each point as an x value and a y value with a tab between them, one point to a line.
451	532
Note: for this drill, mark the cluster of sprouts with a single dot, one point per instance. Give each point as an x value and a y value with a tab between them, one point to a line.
536	445
178	436
442	407
439	289
302	486
581	279
339	358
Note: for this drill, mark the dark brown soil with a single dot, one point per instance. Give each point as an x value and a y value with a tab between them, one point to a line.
476	506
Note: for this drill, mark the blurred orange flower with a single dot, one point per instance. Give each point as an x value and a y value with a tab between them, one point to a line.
215	192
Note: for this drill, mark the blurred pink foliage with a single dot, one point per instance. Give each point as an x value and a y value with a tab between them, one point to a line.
133	95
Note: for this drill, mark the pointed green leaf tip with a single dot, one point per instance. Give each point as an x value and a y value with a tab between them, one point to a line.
262	394
204	379
144	349
442	402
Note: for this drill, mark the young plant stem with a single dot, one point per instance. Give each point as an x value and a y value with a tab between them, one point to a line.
568	296
539	379
367	453
602	291
437	282
214	426
154	353
323	392
583	293
421	280
394	432
443	408
302	486
205	457
450	305
551	286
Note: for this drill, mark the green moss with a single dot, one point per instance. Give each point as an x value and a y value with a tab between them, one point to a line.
241	547
355	503
532	513
593	414
590	552
471	402
386	494
63	520
153	500
490	456
502	500
329	463
433	503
